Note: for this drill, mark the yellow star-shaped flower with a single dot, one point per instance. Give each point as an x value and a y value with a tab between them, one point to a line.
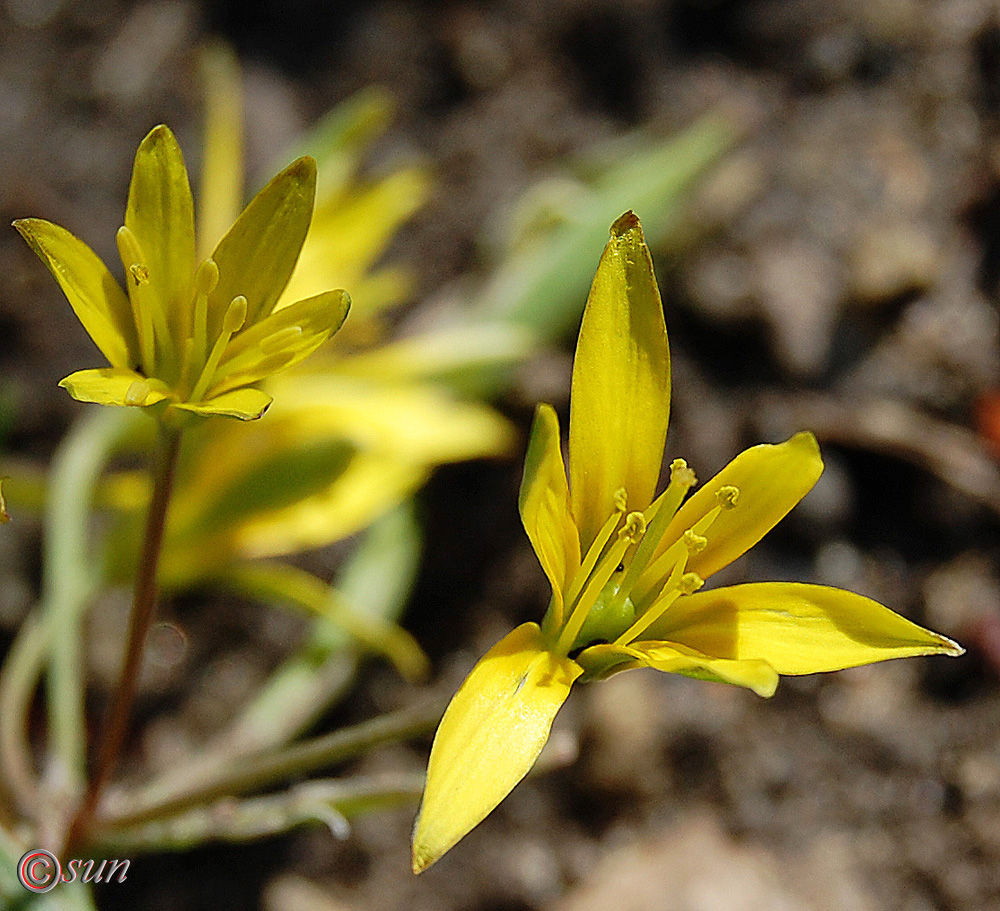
626	565
191	337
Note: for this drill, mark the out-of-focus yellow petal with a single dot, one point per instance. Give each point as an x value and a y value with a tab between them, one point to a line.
258	253
620	400
545	508
221	196
770	478
370	485
449	354
282	339
350	232
418	423
489	738
672	658
160	214
796	628
114	386
245	404
96	298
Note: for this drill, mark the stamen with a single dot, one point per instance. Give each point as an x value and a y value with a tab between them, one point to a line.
695	543
594	551
234	319
690	583
634	527
147	309
727	497
606	567
128	249
672	592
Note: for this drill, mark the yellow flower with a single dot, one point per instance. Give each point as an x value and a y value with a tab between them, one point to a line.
626	566
188	336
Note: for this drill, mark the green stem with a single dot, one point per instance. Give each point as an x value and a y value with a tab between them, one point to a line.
333	802
140	622
257	772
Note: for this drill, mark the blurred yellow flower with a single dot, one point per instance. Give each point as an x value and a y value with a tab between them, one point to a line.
626	568
189	338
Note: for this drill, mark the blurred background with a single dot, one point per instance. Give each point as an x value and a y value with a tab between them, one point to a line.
834	266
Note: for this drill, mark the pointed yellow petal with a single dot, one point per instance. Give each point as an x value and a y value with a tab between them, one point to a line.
489	738
114	386
545	507
258	253
160	214
280	340
620	401
96	298
770	479
673	658
796	628
245	404
221	196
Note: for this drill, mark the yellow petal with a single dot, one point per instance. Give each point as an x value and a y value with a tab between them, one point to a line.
371	485
114	386
258	253
96	298
280	340
796	628
620	400
770	479
221	195
160	214
412	422
489	738
245	404
545	508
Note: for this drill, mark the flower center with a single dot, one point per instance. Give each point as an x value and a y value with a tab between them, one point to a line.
622	587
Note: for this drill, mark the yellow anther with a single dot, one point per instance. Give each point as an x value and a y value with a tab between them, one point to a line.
620	499
137	392
681	474
727	496
634	527
206	278
140	274
236	315
690	583
694	542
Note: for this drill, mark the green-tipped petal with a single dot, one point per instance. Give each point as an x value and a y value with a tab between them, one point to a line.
282	339
259	252
114	386
621	384
160	214
545	505
796	628
489	738
245	404
95	296
770	480
673	658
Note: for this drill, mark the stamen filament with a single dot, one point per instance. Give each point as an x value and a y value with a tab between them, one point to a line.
661	511
595	585
592	555
235	317
159	355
